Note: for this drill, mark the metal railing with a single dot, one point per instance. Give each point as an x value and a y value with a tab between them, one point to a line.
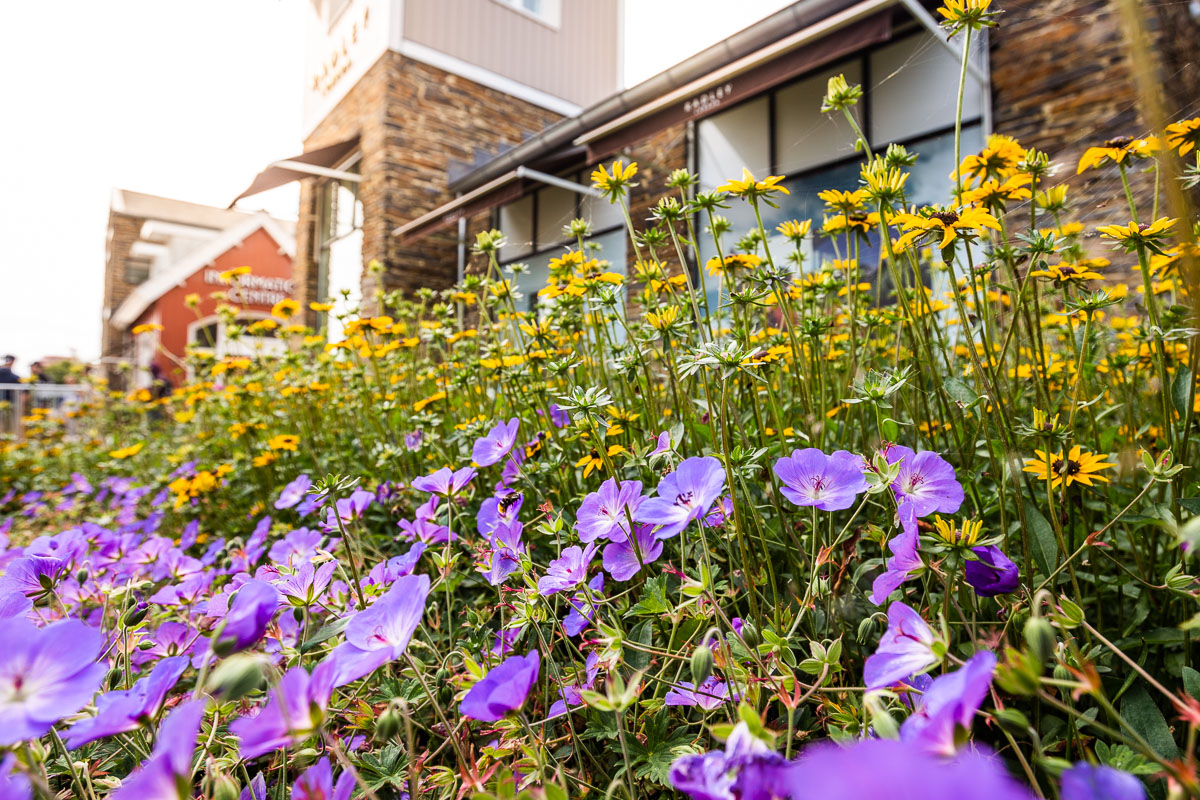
18	401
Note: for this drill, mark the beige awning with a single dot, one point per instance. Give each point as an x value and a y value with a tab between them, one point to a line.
319	161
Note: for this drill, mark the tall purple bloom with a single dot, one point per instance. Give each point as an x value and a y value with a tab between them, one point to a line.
994	573
170	765
316	783
122	711
906	648
1097	782
14	784
444	482
45	674
380	634
949	703
295	712
926	480
811	478
708	695
252	609
495	446
605	513
503	689
621	561
904	560
683	496
568	570
294	492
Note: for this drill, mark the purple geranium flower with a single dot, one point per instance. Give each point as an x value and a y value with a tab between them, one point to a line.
949	703
567	571
1097	782
662	444
14	604
582	610
906	648
683	496
572	694
307	583
994	573
811	478
444	482
295	712
119	712
495	446
708	695
348	509
413	439
33	576
498	509
45	674
171	639
747	770
14	784
316	783
904	560
171	761
380	634
294	492
386	572
926	480
503	689
875	769
605	513
252	609
506	552
299	545
622	562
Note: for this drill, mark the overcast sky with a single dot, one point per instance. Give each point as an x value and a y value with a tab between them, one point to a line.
182	98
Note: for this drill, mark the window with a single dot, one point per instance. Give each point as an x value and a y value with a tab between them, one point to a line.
137	270
339	246
548	12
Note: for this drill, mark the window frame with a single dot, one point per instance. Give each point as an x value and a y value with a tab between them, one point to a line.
327	213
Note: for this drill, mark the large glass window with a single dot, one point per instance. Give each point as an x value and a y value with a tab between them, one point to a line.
339	247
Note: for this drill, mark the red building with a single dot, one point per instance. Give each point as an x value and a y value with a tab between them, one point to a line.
187	260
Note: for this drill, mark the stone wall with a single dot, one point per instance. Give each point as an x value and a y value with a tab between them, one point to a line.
124	231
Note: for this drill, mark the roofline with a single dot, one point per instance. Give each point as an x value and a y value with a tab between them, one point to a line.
146	294
739	45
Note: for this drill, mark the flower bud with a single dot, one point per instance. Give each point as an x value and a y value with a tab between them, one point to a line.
702	664
226	788
1039	635
388	724
81	576
135	614
237	676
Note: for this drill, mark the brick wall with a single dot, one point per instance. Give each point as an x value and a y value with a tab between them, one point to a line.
414	121
124	232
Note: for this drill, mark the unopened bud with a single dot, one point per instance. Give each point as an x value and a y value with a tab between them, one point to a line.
388	725
226	788
135	614
237	676
1039	635
702	664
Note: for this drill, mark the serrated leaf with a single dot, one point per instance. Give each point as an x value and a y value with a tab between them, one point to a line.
654	598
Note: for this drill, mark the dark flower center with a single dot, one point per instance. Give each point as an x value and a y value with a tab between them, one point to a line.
944	217
1120	142
684	499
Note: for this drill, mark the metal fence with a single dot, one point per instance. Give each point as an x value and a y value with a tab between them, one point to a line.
18	401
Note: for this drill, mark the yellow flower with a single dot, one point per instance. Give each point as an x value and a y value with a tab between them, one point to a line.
998	160
191	300
949	533
229	274
614	185
263	460
749	187
1116	150
184	417
845	202
1077	467
1184	135
127	452
794	230
420	404
149	327
950	224
284	441
994	193
1044	422
662	319
1064	273
972	14
1133	234
321	307
285	309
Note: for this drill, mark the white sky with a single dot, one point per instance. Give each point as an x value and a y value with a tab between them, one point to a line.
187	100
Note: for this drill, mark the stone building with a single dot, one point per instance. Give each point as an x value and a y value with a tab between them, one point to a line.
491	113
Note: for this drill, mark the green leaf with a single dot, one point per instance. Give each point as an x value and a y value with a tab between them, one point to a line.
1139	710
654	598
1191	682
643	634
1042	541
1180	388
960	392
325	633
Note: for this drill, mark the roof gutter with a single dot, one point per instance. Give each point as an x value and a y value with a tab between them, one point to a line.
744	43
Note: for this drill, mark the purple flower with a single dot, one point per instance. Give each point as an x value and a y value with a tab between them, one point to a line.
14	784
413	440
949	703
252	609
505	639
605	513
906	648
494	510
507	548
171	762
306	584
1097	782
709	695
994	573
14	604
444	482
119	712
503	689
45	674
621	561
662	445
567	571
883	769
582	610
747	770
558	416
703	777
572	694
683	496
904	560
299	545
926	480
316	783
295	712
294	492
380	634
424	530
495	446
171	639
386	572
348	509
33	576
811	478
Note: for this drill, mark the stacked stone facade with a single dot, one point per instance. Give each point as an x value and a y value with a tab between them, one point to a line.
123	231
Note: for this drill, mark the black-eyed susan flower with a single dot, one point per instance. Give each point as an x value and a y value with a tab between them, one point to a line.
615	184
993	193
1133	235
1065	273
996	161
1077	467
950	533
751	188
284	441
1184	135
971	14
149	327
285	309
795	230
228	275
127	452
1118	151
949	224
